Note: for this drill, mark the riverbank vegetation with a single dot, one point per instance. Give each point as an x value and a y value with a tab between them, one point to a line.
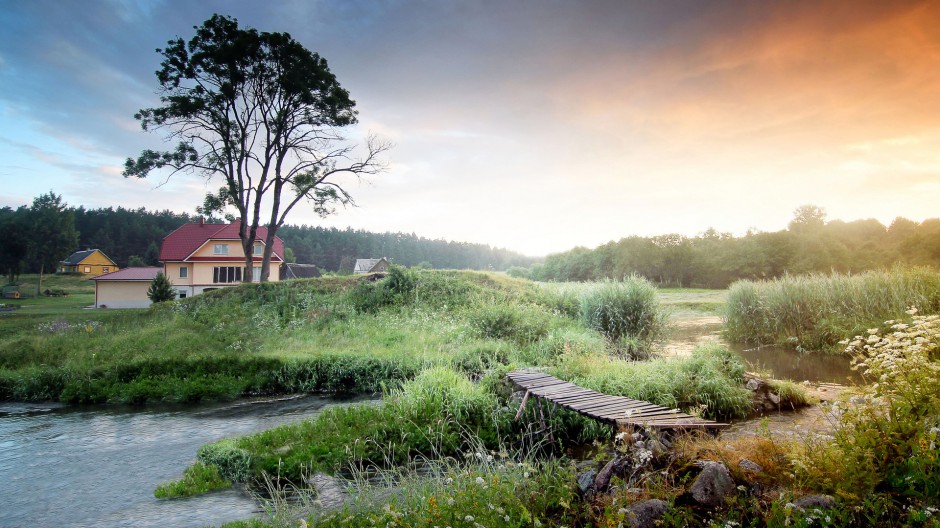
880	467
815	312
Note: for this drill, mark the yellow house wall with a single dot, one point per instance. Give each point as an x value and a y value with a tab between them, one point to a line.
116	294
98	258
234	249
172	272
96	262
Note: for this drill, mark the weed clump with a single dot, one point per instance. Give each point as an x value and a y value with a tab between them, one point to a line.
628	314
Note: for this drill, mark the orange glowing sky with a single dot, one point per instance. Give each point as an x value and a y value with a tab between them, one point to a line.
535	126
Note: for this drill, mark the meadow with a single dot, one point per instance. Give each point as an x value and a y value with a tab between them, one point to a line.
436	345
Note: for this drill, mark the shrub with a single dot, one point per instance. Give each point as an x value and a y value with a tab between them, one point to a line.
885	457
627	313
233	463
521	323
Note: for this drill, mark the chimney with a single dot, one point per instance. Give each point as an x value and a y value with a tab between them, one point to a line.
202	221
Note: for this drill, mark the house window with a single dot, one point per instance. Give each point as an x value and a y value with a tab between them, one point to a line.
226	274
87	269
257	249
182	295
184	272
256	274
220	249
105	269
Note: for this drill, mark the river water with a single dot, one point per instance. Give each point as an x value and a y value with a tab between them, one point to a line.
99	466
781	362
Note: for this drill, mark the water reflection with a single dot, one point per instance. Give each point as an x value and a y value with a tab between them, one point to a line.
783	363
99	467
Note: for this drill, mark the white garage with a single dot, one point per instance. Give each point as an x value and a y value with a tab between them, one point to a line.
126	288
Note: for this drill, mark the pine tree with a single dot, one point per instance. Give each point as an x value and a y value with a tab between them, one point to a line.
160	289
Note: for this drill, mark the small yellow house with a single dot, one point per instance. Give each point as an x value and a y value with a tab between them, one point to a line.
200	257
88	262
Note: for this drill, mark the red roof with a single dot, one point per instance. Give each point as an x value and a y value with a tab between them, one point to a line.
130	274
180	244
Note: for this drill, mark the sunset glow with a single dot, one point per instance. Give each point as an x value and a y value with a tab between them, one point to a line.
534	126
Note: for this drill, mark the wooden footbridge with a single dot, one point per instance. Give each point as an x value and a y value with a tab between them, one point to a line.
625	413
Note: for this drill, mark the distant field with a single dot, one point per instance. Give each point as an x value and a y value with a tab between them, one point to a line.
682	302
81	294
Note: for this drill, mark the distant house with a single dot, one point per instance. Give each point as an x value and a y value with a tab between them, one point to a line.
88	262
126	288
371	265
200	257
300	271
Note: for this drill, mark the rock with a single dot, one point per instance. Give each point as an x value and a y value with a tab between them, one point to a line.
586	481
823	502
602	480
713	485
644	514
330	491
753	384
750	467
774	398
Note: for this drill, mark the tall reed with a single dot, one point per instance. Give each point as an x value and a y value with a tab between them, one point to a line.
814	312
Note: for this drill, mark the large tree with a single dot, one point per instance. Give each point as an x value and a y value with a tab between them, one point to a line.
265	115
14	241
52	232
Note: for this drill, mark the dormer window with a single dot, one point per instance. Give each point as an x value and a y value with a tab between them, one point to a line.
220	249
256	250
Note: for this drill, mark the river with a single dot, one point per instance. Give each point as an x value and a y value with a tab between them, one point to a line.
781	362
99	466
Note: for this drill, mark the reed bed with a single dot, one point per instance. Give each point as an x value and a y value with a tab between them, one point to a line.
815	312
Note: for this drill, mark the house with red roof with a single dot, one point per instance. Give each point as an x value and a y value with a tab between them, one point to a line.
200	257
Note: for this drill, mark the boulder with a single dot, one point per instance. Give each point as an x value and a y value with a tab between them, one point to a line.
713	485
750	467
586	481
614	467
644	514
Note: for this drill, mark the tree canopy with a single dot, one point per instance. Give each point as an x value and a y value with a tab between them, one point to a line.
264	114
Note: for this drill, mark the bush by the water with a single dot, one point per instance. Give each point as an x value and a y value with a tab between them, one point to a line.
815	312
628	313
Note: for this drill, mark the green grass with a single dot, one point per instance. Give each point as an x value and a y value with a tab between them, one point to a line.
815	312
81	294
710	381
197	479
278	337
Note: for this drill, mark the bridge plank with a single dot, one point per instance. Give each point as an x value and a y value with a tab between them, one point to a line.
619	410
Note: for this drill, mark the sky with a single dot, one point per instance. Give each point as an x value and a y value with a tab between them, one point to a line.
535	125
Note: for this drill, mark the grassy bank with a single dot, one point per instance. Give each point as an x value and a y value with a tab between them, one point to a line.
333	334
815	312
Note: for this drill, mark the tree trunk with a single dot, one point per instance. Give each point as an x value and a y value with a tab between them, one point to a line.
39	288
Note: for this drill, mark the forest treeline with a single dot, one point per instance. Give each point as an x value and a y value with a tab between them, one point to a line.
132	237
810	244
